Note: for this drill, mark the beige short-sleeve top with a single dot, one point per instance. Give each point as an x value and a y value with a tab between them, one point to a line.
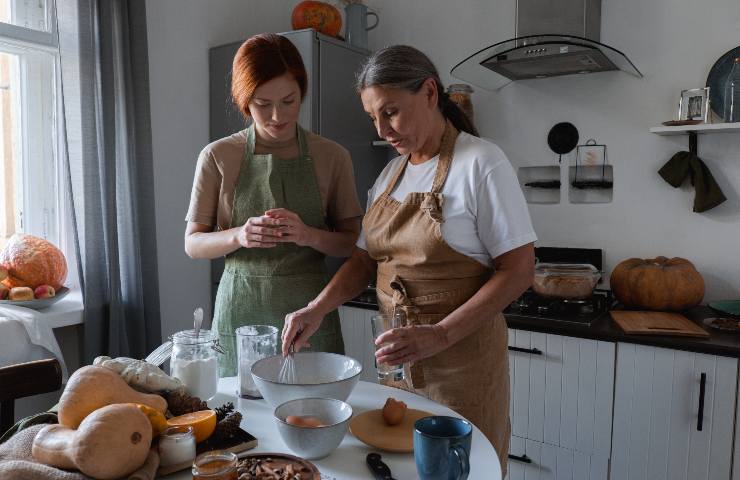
219	164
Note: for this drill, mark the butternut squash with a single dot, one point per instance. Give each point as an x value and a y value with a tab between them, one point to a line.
91	388
110	443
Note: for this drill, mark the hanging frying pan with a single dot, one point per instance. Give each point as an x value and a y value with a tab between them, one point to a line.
562	138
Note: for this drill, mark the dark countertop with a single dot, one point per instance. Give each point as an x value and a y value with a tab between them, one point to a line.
719	343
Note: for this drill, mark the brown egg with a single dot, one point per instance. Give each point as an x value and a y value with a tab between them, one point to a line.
305	421
393	411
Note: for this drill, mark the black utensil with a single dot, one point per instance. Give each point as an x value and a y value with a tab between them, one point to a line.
380	470
563	138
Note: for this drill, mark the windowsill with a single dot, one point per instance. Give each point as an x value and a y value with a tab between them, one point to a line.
67	311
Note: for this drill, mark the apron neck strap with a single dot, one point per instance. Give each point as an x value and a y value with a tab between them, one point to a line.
447	146
300	134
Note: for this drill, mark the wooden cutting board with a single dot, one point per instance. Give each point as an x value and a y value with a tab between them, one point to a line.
656	323
370	428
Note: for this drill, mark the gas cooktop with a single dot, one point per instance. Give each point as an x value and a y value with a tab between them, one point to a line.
533	306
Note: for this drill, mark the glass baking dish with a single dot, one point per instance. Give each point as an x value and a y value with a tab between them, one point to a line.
568	281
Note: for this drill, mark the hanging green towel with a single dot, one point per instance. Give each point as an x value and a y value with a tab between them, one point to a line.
683	164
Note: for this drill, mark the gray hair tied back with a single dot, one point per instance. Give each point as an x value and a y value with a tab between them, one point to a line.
402	66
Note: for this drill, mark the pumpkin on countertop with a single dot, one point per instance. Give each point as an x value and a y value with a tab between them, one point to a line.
31	262
110	443
92	387
657	284
320	16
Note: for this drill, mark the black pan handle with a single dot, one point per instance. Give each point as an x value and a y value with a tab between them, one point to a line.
702	389
533	351
524	458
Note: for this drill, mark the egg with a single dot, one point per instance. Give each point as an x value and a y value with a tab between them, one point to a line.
304	421
393	411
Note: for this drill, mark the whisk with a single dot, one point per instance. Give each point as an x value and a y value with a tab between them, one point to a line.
287	370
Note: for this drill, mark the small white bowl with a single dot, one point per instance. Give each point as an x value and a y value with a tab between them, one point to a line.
314	442
320	375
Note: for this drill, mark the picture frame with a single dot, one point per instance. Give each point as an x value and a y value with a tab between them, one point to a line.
694	105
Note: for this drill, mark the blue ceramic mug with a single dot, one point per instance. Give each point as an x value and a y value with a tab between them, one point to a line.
442	448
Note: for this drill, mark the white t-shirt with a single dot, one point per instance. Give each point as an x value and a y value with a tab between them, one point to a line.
485	214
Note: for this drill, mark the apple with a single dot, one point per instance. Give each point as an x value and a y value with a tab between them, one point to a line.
4	291
21	293
44	291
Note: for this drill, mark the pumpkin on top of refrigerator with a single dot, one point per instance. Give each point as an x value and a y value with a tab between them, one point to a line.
320	16
661	283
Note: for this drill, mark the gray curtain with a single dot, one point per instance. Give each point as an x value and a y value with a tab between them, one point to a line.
107	147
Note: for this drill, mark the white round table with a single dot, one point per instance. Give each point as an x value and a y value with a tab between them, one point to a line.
347	462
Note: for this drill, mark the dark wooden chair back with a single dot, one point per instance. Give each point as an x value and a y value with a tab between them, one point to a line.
23	380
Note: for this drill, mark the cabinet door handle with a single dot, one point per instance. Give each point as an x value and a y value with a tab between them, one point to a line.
702	388
524	458
533	351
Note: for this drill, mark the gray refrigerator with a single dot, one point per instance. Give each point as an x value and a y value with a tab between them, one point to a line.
331	109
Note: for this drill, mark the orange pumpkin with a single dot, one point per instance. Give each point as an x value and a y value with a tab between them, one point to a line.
32	261
657	284
320	16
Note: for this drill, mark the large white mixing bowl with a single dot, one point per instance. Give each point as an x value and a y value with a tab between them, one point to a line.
318	375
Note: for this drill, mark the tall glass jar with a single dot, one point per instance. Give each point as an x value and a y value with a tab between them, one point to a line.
460	95
194	361
731	108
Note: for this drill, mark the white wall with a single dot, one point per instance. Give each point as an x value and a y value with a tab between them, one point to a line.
674	43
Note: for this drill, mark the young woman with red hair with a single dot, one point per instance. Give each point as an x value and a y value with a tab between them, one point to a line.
274	199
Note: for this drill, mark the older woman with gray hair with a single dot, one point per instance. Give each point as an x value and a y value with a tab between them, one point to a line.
448	239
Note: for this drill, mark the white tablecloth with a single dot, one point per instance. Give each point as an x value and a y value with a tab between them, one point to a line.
347	462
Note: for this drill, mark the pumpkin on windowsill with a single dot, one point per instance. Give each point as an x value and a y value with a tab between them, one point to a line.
657	284
31	261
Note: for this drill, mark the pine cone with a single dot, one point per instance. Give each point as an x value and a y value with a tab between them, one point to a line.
227	427
224	410
180	403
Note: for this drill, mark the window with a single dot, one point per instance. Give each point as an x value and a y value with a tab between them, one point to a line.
29	171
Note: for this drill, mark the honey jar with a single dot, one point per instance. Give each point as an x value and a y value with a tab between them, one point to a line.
215	465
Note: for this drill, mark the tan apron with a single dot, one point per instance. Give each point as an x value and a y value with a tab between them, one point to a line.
420	275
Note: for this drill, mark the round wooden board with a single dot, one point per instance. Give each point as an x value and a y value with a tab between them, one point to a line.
370	428
283	459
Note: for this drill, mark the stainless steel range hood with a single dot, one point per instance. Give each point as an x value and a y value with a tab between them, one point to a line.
553	37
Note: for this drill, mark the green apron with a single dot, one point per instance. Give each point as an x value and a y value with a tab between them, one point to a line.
260	286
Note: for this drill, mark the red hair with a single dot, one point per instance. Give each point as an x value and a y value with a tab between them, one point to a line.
260	59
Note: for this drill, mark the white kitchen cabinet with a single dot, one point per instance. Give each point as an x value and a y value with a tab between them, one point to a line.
358	339
551	462
561	399
673	414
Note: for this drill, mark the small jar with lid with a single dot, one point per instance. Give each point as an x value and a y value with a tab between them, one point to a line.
215	465
176	446
194	361
460	95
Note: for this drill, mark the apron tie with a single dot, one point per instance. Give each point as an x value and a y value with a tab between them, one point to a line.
432	206
413	371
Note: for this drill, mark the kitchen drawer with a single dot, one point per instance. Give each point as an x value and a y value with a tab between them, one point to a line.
562	390
542	461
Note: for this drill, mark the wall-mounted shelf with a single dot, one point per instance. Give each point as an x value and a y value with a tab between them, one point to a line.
693	130
700	128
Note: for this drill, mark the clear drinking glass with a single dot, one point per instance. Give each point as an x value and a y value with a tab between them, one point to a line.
380	324
253	342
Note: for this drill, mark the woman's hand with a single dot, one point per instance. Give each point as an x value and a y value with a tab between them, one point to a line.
410	344
259	232
300	325
292	227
